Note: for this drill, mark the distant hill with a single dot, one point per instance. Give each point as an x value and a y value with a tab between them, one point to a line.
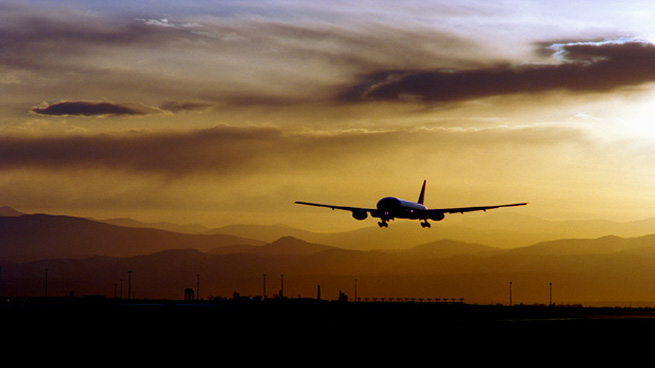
285	246
587	271
399	235
507	230
39	236
92	257
289	246
186	229
449	248
503	230
603	245
7	211
167	273
267	233
534	229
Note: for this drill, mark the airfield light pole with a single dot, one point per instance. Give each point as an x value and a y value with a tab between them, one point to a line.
129	285
264	286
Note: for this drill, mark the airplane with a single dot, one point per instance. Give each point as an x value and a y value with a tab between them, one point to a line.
390	208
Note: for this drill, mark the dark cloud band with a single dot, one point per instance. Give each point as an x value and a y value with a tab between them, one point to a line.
229	150
222	150
84	108
583	67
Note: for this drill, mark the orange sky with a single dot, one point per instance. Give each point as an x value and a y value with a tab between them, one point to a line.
227	112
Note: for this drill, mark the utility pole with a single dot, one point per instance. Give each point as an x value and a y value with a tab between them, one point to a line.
264	286
129	285
197	286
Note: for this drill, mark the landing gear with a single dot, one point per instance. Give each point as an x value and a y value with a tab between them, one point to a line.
383	224
425	224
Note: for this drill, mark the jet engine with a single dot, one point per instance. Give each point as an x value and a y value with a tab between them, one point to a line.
436	216
360	215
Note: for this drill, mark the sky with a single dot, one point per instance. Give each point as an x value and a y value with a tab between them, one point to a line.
226	112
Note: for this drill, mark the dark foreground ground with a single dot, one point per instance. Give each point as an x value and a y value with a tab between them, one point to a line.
306	315
312	332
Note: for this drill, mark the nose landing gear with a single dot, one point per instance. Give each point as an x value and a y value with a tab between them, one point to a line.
425	224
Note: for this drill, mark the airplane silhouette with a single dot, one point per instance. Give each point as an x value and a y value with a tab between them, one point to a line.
389	208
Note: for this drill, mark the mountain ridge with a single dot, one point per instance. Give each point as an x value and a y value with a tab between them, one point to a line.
504	231
476	273
7	211
507	230
41	236
91	257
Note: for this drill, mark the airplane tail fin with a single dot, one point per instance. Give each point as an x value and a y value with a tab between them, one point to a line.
422	196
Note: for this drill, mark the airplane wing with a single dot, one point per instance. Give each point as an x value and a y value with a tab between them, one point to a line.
471	209
370	210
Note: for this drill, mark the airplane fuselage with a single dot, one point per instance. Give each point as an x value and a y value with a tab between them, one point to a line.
392	207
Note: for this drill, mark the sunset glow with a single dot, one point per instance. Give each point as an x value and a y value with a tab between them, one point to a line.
223	112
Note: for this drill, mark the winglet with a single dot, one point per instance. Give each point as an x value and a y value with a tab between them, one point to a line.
422	196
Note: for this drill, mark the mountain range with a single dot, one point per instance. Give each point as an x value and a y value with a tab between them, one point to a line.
507	230
40	236
91	257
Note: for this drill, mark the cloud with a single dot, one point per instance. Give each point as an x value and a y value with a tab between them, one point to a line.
88	108
181	106
235	59
248	54
227	150
60	36
222	150
582	67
